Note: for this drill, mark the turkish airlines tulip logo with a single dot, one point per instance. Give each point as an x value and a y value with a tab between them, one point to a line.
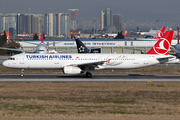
8	38
160	34
162	46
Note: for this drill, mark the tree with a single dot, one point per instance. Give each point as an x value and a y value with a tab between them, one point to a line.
3	39
10	44
119	36
43	35
35	36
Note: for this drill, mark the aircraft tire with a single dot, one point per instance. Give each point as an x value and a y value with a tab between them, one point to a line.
21	75
88	75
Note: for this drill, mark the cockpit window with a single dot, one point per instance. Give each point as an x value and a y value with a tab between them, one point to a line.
11	58
40	50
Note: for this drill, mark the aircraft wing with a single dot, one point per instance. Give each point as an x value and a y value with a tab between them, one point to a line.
89	64
17	50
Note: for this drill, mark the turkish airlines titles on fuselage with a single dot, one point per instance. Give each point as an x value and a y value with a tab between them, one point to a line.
58	61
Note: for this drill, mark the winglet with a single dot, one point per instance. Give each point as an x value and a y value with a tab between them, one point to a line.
108	60
162	45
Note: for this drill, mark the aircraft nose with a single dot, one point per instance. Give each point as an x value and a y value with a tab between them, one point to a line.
4	63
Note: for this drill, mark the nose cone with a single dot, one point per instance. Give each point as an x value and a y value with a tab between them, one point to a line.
4	63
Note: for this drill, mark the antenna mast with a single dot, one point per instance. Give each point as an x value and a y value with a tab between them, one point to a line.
73	24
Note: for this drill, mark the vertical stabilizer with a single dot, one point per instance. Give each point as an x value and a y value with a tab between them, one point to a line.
125	33
162	45
81	47
160	33
8	36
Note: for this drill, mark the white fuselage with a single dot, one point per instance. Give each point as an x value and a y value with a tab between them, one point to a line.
58	61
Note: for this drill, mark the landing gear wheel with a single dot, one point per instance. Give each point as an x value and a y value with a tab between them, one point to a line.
88	75
22	73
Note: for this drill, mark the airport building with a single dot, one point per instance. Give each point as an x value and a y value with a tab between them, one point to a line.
106	45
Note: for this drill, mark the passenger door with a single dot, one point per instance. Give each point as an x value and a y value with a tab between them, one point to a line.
22	59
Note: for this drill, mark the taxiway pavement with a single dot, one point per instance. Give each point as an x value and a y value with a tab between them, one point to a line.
95	78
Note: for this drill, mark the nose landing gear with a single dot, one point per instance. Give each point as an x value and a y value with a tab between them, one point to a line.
22	73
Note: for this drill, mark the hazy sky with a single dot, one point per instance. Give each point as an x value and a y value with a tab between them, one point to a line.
165	10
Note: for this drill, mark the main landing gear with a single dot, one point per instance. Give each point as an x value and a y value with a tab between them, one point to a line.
88	75
22	73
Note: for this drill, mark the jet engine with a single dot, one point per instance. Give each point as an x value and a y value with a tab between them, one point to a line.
71	70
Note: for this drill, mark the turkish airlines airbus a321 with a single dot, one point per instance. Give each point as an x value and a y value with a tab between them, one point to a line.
80	63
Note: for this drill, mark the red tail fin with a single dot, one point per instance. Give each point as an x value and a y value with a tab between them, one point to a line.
160	33
125	33
8	36
162	45
40	36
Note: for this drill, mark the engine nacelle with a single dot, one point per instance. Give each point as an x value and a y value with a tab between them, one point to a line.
71	70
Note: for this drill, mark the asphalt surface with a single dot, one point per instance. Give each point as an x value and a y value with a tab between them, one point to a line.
3	58
95	78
